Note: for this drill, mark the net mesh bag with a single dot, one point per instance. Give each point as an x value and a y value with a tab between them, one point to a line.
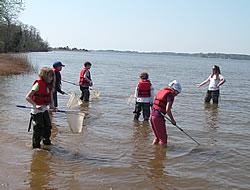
130	99
75	121
94	94
74	101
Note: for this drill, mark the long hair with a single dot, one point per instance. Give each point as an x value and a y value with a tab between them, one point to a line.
216	71
44	73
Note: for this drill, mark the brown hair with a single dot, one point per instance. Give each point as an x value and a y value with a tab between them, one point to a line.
216	71
87	63
44	73
144	75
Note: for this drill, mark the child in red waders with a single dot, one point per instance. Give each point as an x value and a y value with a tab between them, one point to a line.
162	105
40	96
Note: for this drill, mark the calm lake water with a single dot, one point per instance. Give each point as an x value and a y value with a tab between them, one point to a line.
113	151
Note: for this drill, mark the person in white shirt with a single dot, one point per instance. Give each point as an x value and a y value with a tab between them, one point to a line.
215	81
144	96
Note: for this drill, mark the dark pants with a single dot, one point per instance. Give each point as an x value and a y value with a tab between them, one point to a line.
145	107
212	95
55	99
41	129
85	93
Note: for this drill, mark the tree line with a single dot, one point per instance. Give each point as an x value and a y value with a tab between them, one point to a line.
14	35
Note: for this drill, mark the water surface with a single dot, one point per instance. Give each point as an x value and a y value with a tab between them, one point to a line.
113	151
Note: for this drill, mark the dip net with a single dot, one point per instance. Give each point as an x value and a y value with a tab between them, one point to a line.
94	94
75	121
130	99
74	101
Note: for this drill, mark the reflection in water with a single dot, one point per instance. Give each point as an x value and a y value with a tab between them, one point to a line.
211	116
142	132
156	164
40	172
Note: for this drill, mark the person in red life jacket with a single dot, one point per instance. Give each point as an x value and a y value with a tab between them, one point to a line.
40	96
57	67
144	94
85	81
162	105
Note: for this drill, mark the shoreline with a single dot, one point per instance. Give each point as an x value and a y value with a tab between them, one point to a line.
14	65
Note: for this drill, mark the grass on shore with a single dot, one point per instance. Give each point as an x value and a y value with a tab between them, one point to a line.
14	64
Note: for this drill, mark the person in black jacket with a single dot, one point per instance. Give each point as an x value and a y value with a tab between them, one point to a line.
57	67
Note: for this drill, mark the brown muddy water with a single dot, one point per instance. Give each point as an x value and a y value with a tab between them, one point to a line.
113	151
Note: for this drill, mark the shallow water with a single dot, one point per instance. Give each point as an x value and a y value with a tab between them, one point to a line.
113	151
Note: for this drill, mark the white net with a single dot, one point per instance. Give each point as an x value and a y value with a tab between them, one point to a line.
75	121
74	101
130	99
94	94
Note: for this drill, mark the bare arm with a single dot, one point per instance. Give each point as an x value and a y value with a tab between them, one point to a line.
169	112
221	82
52	102
31	101
201	84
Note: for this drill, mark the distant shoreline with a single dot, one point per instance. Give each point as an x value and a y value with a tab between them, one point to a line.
202	55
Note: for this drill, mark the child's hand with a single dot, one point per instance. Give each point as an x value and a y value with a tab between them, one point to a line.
39	107
197	85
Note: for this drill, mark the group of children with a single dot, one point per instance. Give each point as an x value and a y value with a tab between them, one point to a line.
164	99
44	92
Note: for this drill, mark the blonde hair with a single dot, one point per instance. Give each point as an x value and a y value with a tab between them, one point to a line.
44	73
144	75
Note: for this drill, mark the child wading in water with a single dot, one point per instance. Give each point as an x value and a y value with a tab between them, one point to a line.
85	81
144	94
57	67
162	105
40	96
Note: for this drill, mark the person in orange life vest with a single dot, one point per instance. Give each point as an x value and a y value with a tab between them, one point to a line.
85	81
144	94
40	96
57	67
162	105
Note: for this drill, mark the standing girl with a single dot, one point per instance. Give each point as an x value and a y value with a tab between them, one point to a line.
215	80
40	97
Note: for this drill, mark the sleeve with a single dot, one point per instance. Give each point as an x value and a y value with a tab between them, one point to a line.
35	87
221	77
57	83
136	92
169	97
152	94
86	74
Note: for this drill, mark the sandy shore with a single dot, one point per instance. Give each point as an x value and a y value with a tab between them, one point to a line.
14	65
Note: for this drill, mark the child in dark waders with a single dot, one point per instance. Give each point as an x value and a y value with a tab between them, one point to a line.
144	94
57	67
85	81
40	96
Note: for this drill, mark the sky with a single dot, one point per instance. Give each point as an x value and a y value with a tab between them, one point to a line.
182	26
